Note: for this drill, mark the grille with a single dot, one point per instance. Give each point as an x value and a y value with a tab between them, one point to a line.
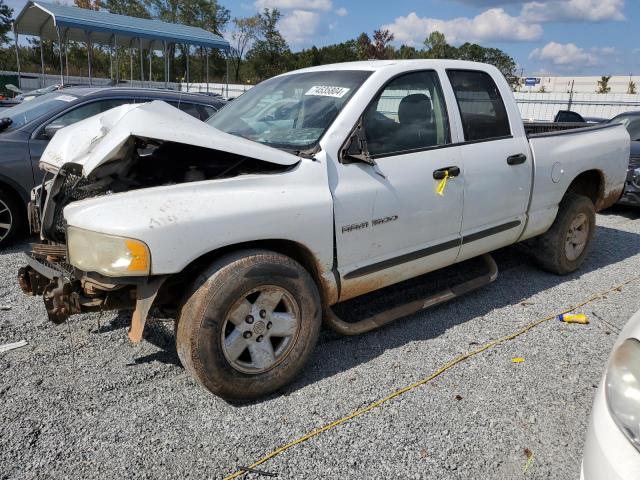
71	190
634	161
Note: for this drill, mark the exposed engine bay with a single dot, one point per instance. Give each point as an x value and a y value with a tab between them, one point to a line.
148	163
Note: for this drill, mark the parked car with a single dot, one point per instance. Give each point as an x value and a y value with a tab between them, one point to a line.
612	448
312	188
26	129
631	195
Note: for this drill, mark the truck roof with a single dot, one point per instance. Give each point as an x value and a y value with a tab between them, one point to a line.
379	65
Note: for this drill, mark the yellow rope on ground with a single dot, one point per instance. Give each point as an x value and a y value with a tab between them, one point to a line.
425	380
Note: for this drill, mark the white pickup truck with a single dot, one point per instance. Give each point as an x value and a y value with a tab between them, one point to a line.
312	188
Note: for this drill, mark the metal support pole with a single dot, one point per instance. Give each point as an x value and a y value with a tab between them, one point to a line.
60	55
111	59
187	52
66	52
227	75
150	61
131	61
115	41
41	61
166	67
89	55
141	62
16	37
206	51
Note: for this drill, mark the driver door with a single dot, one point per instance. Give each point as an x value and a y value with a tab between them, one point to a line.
390	221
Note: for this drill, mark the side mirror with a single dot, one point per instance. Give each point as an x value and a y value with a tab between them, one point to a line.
51	129
355	149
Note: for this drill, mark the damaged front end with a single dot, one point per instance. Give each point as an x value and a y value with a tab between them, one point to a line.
111	154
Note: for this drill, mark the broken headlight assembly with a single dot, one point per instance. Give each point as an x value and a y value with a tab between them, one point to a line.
108	255
622	389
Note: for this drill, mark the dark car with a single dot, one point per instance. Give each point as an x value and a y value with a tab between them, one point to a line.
631	195
25	131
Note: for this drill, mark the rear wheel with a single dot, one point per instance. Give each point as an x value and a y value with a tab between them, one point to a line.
250	324
563	248
12	218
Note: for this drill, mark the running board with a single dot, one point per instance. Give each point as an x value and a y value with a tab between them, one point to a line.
388	316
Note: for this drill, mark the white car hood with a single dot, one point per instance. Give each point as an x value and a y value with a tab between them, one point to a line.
102	138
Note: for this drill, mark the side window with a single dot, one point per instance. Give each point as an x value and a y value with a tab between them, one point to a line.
191	109
481	107
409	114
206	111
88	110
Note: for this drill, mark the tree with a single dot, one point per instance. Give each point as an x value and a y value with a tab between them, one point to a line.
437	46
132	8
244	33
380	48
631	88
603	84
88	4
270	51
5	22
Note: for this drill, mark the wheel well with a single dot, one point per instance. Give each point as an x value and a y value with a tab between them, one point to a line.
13	193
294	250
590	184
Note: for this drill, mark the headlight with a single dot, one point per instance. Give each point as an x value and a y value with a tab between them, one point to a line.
623	389
635	178
107	254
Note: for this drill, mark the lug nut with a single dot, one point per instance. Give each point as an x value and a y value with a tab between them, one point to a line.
249	319
269	325
247	334
263	313
259	339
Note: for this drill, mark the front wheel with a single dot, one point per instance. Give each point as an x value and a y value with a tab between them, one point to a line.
12	218
250	324
563	248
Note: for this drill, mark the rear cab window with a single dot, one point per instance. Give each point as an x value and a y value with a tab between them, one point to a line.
482	110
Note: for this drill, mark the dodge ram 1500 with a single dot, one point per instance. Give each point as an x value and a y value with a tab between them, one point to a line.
314	187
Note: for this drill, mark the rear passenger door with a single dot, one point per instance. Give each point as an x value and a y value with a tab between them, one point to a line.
391	224
497	167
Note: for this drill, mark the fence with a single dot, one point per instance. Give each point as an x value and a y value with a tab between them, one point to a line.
32	81
544	106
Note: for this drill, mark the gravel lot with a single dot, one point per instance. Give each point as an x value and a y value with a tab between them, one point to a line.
79	402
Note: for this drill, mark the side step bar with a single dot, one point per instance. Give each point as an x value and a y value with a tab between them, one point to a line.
388	316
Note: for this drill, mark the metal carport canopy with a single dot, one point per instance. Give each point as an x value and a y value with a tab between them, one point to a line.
42	19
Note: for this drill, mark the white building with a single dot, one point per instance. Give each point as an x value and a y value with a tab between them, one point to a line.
618	84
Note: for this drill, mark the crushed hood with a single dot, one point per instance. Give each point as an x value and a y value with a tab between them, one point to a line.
102	138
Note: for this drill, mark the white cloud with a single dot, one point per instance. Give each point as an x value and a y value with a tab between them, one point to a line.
568	54
492	24
573	10
323	5
342	12
299	26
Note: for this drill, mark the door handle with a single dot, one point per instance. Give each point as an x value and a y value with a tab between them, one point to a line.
517	159
442	172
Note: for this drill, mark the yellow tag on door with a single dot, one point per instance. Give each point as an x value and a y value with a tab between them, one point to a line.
442	184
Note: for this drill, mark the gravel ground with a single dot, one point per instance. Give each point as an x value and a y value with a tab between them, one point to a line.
82	402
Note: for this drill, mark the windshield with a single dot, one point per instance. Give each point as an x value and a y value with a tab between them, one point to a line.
290	112
27	111
631	123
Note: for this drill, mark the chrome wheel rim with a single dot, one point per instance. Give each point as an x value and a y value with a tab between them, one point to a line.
577	236
6	220
260	329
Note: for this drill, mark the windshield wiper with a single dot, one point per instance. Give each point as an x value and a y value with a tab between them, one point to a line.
4	123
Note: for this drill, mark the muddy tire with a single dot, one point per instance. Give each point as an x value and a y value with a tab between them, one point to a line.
13	221
563	248
250	324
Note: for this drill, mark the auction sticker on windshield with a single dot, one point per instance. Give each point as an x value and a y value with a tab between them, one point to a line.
327	91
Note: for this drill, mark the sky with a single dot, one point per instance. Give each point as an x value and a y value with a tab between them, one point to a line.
545	37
